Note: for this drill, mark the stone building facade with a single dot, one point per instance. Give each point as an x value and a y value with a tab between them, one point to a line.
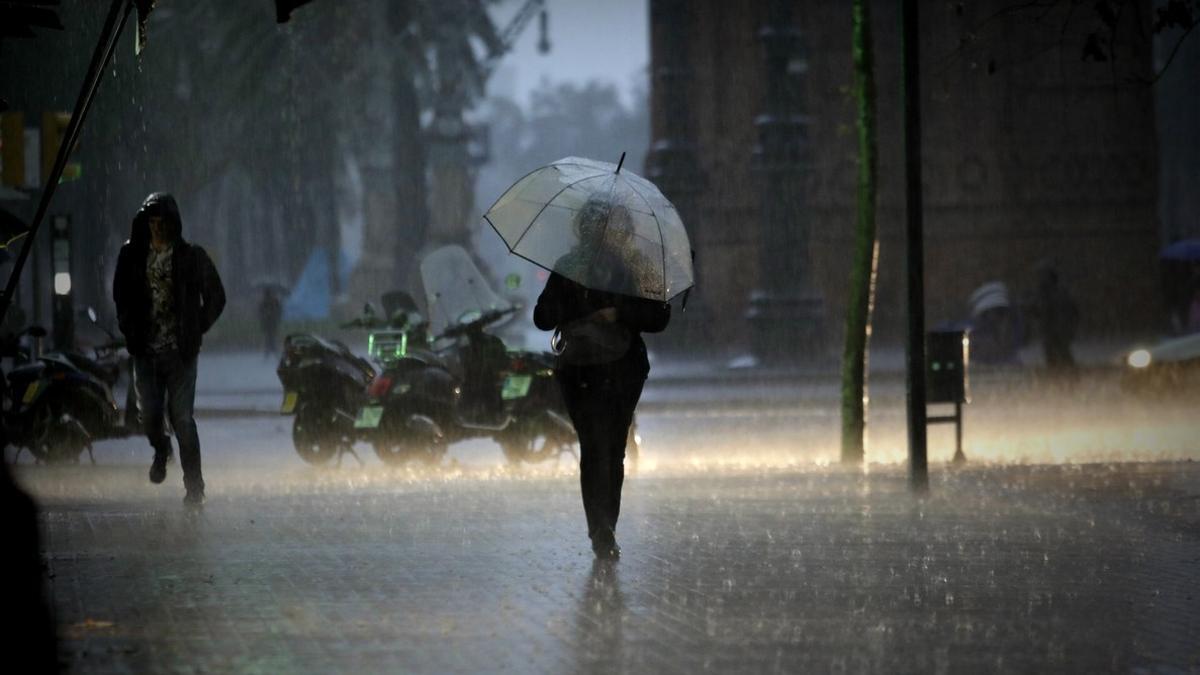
1031	155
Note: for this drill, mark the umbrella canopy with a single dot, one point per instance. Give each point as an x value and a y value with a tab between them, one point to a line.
1184	249
601	227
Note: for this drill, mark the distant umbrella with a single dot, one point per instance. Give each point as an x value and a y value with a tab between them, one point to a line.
1183	250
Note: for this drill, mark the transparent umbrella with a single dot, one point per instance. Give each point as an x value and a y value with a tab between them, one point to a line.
606	229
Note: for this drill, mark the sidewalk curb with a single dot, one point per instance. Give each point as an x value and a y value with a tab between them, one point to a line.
778	383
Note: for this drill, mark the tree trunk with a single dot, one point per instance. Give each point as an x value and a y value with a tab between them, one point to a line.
866	247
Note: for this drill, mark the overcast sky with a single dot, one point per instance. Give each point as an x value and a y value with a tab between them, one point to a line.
589	39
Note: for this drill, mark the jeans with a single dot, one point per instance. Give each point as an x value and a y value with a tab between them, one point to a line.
167	378
600	401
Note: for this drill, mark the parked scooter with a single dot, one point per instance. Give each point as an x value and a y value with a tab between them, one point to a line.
63	401
324	385
464	383
13	347
473	388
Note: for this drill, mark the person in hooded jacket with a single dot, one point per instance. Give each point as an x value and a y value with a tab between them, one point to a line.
168	294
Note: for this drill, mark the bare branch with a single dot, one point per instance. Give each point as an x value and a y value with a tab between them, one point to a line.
1170	57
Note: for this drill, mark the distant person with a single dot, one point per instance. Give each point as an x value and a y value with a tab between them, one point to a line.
270	312
996	328
602	364
168	294
1057	318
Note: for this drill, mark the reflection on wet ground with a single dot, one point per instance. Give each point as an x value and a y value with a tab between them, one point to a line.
1022	567
746	546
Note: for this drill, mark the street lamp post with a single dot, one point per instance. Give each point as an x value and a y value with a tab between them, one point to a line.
914	248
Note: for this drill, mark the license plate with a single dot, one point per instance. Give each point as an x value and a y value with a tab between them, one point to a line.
30	392
289	403
368	417
516	386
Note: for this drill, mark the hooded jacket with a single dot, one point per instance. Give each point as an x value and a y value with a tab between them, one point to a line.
199	295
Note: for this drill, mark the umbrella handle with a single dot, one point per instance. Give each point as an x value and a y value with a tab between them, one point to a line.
620	163
557	343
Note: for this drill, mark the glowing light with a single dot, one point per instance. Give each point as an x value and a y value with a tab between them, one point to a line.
62	283
1139	358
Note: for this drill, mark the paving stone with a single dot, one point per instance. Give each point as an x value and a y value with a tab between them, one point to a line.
1084	568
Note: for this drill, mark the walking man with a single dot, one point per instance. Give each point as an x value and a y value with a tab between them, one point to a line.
168	294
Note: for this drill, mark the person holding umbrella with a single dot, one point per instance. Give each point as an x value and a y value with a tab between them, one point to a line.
617	253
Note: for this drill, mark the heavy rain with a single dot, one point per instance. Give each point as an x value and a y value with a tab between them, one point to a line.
868	333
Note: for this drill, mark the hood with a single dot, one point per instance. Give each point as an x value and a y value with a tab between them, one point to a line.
160	204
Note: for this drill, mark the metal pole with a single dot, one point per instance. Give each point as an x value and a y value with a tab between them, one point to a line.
959	457
100	58
915	377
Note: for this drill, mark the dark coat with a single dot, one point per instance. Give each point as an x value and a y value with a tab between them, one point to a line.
199	295
564	301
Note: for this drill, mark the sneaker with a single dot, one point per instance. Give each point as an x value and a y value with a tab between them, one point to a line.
158	470
194	498
604	545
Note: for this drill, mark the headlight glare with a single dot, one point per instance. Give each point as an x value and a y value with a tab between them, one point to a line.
1138	358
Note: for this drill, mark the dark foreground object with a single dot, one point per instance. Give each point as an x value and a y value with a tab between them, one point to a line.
1029	569
26	627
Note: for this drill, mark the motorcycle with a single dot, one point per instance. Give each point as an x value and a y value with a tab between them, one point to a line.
67	402
422	403
323	384
14	348
464	383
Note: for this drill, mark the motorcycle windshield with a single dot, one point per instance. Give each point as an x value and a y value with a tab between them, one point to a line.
455	290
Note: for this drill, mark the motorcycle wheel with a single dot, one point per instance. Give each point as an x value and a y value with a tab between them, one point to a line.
54	442
315	435
534	447
399	444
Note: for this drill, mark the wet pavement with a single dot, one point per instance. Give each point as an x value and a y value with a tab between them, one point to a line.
746	547
479	567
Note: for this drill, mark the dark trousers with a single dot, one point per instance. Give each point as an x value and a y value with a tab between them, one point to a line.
167	381
600	402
